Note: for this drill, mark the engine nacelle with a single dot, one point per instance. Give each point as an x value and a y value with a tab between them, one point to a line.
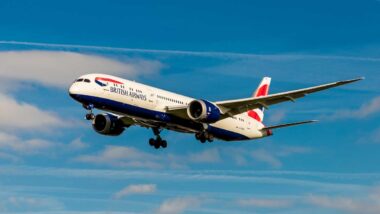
107	124
203	111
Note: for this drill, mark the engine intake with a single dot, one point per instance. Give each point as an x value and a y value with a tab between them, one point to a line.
203	111
107	124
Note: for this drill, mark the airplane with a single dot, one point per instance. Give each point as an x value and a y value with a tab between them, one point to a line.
127	103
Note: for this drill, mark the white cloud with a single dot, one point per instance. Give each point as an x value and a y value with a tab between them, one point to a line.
272	156
12	147
206	156
276	116
178	205
265	203
121	156
59	68
28	147
15	115
76	145
347	204
129	157
366	110
267	157
136	189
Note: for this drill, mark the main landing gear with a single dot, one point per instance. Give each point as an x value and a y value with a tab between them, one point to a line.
158	142
204	136
89	115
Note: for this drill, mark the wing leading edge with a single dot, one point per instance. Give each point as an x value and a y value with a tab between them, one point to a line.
234	107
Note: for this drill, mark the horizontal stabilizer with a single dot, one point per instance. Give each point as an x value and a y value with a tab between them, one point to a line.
289	124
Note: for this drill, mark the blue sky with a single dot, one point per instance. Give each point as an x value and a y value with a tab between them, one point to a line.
51	161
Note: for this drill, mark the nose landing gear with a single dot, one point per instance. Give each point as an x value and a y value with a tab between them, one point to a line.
89	115
158	142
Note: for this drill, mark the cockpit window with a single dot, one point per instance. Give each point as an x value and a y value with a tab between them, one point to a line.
79	80
87	80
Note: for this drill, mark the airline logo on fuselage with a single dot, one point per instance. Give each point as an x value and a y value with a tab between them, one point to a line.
103	81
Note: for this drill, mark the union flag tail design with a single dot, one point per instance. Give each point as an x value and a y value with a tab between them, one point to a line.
262	90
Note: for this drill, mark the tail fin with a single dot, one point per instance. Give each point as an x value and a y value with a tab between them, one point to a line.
262	90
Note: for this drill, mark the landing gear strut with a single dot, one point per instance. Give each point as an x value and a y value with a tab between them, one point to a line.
158	142
89	115
204	136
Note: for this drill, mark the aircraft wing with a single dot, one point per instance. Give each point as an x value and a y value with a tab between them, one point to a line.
230	108
289	124
234	107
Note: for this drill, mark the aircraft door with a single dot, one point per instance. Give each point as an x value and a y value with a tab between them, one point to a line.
151	98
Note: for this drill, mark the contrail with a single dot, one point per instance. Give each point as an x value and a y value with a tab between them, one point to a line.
211	54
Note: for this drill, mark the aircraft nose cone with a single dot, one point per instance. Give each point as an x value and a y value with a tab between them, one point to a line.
73	91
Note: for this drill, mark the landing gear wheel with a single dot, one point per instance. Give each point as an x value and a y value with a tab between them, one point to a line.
151	141
204	136
198	136
90	116
157	144
210	138
203	139
164	144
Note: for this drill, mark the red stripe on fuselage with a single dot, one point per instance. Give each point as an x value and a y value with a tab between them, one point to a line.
108	80
263	90
254	115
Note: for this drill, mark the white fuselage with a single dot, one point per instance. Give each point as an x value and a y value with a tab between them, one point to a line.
148	104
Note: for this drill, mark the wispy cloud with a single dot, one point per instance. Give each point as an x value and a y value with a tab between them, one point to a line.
365	205
266	157
77	145
120	156
370	137
130	157
366	110
191	53
276	116
290	178
9	157
206	156
269	155
178	205
59	68
135	189
19	203
264	203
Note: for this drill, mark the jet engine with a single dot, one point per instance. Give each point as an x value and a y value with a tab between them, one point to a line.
203	111
107	124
